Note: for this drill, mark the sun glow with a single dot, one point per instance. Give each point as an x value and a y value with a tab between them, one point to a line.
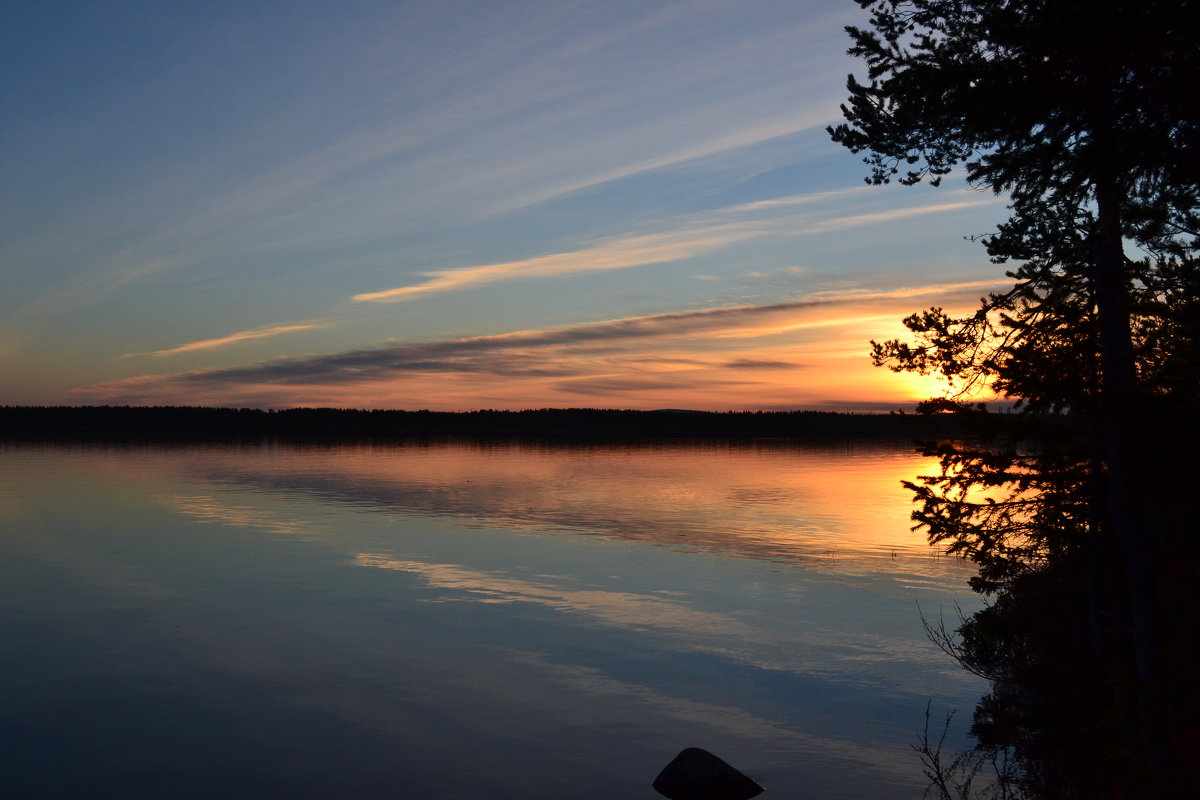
919	387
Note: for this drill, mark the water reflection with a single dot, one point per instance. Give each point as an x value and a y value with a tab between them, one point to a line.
780	501
462	620
206	508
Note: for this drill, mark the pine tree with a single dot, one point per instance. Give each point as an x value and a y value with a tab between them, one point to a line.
1085	116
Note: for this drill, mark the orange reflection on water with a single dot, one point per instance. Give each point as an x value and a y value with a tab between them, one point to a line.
841	504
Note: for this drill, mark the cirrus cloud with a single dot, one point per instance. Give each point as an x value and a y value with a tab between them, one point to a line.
264	332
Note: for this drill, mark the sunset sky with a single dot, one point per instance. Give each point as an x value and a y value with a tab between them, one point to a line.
455	205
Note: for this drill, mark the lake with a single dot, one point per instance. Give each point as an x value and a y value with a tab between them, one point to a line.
467	620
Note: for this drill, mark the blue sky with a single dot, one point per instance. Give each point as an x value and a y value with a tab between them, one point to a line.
455	205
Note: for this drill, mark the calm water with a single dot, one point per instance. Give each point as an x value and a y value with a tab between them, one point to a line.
465	620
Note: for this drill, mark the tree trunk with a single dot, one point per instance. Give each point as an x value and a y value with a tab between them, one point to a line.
1131	540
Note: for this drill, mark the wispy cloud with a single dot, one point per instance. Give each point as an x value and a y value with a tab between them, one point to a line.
909	291
265	332
591	358
692	236
891	215
756	363
480	353
791	201
617	254
747	136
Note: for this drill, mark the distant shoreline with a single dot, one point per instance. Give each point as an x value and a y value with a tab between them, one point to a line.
149	423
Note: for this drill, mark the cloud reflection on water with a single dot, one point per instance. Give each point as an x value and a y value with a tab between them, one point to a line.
205	508
623	609
796	646
777	738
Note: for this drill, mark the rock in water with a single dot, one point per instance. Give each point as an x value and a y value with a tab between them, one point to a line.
697	774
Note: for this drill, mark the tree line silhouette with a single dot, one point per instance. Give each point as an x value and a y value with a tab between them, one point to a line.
176	422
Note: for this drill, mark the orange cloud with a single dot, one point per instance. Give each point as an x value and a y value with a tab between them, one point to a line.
807	353
264	332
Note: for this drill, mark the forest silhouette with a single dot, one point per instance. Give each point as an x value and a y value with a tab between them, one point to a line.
150	423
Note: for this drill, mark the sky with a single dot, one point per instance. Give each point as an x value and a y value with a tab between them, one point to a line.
456	205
